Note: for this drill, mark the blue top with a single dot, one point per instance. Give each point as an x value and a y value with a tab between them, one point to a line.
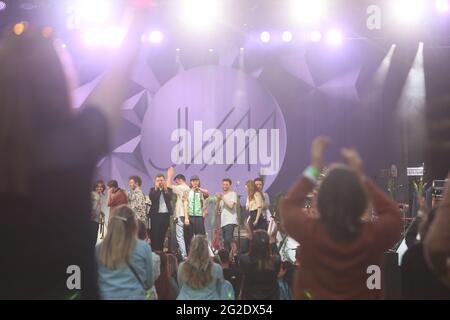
121	283
211	292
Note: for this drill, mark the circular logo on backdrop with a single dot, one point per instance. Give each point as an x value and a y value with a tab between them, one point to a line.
214	122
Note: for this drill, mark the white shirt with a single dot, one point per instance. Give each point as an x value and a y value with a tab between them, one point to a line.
181	191
267	206
162	203
228	216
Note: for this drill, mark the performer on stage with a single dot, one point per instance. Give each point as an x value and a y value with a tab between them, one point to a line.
160	212
181	190
259	183
96	213
255	205
227	208
195	211
137	200
116	197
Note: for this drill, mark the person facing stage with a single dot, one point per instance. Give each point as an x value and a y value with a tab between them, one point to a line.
194	211
160	212
228	215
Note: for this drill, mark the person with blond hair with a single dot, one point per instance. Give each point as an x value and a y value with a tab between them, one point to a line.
125	266
198	277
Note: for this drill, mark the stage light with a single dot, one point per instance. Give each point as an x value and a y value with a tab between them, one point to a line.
334	37
265	37
286	36
315	36
211	50
19	28
199	14
114	36
383	70
111	37
47	32
442	5
93	11
307	11
156	36
93	37
2	5
242	49
408	11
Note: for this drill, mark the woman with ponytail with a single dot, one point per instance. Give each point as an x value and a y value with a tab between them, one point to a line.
124	262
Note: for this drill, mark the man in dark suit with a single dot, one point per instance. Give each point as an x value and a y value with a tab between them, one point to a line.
160	212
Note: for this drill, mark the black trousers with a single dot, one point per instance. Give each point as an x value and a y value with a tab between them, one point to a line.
94	235
227	235
196	226
159	226
262	223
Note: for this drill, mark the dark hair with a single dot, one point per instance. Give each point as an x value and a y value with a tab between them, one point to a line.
227	180
113	184
160	175
35	95
224	255
260	250
142	230
101	183
259	179
341	203
179	176
136	179
163	286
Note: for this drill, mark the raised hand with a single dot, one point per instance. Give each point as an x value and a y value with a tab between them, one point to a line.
318	148
353	160
170	173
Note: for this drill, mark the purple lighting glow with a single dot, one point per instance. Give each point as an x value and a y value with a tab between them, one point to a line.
2	5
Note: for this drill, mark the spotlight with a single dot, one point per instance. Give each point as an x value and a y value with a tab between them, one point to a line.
92	37
307	11
442	5
286	36
242	49
95	12
156	36
199	14
114	36
111	37
2	5
334	37
408	11
211	50
315	36
19	28
265	37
